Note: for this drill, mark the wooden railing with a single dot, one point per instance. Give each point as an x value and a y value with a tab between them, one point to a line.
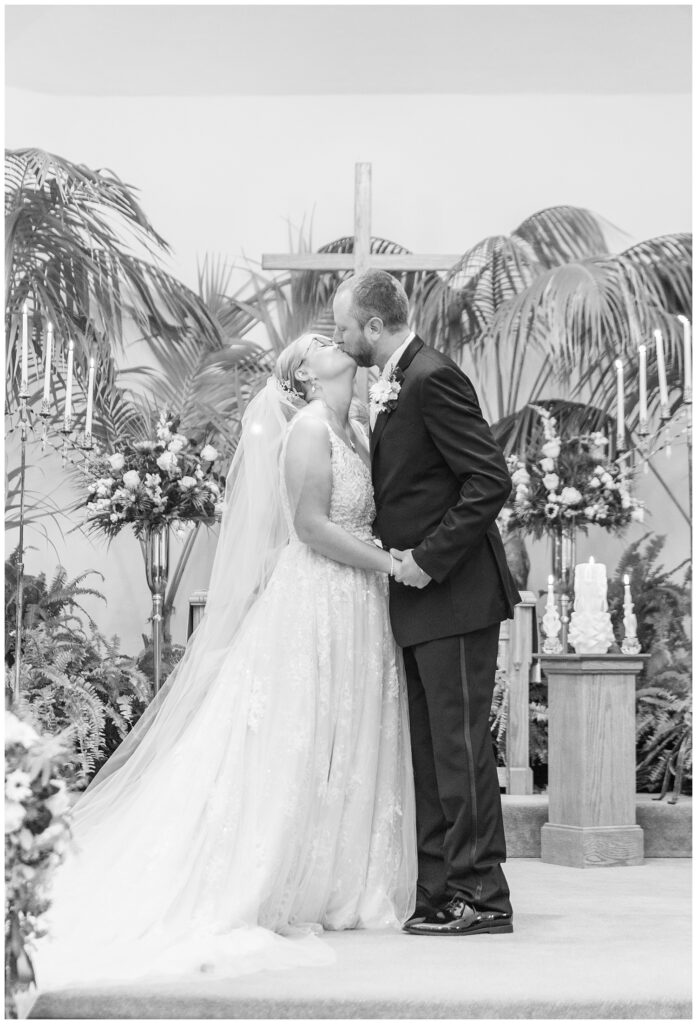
515	659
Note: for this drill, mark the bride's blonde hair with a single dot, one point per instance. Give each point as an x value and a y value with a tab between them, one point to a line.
290	361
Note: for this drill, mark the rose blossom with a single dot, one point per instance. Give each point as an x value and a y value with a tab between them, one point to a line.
570	496
177	443
547	465
552	448
167	462
551	481
116	461
209	453
131	479
521	476
187	482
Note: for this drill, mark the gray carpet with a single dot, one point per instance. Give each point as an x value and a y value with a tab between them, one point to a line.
600	943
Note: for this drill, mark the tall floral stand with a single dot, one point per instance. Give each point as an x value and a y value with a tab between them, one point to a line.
156	554
564	558
592	761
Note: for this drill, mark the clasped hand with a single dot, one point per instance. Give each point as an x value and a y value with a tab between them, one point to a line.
407	571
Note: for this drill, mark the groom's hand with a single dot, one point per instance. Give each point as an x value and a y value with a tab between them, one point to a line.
407	571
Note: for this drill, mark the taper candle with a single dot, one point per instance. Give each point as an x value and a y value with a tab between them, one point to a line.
687	360
620	404
69	389
662	382
550	592
90	394
643	411
24	381
47	367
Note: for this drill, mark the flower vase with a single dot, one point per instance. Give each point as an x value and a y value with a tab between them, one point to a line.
156	553
564	559
563	565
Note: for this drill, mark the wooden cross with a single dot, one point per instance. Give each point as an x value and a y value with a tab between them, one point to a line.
361	258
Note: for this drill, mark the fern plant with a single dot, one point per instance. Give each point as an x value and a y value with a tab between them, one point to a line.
44	601
664	741
662	602
74	680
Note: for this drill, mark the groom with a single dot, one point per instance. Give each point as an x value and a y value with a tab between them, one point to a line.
440	480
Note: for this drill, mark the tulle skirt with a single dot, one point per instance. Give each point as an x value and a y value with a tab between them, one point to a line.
284	807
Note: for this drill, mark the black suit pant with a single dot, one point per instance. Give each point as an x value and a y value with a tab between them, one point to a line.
461	842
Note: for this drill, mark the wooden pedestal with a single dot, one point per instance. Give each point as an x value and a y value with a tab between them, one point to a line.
592	761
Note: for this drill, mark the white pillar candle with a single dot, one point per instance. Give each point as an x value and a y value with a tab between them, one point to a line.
687	360
90	397
25	349
620	404
643	411
590	586
662	382
69	388
47	364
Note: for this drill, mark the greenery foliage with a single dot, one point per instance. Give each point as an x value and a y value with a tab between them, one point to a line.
73	678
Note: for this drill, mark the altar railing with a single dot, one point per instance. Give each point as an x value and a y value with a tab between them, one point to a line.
516	648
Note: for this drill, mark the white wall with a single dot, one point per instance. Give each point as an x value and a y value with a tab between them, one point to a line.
225	175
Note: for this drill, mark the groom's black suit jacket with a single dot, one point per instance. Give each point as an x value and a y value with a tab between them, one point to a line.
440	480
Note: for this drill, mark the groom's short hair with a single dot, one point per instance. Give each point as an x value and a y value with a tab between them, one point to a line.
377	293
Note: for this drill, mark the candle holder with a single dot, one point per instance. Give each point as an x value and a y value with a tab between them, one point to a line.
551	623
630	644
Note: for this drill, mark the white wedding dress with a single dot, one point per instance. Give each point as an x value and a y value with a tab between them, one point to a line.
284	807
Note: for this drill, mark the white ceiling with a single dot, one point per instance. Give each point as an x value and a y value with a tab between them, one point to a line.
261	49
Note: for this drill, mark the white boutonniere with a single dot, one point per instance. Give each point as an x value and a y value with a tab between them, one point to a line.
385	392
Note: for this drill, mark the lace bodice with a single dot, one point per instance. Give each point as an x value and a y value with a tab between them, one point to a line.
352	504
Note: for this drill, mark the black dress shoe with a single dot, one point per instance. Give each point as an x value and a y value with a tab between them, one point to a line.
458	917
426	906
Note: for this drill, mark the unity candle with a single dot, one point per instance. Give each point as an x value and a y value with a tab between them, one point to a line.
590	586
590	629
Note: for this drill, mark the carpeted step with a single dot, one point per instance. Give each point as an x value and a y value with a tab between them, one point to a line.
667	827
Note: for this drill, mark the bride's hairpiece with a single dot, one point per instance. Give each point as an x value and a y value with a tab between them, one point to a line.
286	386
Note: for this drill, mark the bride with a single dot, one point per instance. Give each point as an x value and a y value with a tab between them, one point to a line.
266	794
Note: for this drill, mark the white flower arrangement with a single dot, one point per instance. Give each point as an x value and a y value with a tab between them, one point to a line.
37	835
568	481
149	483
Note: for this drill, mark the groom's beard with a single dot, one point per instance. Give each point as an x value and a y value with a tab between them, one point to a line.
364	359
